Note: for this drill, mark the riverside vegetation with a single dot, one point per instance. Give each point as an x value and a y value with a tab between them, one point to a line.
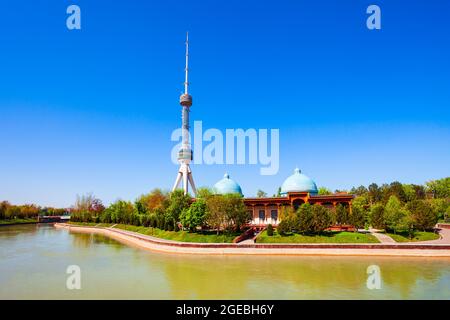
405	212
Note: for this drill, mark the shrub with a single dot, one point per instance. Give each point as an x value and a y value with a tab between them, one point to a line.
342	214
321	218
377	216
423	216
283	227
269	230
305	219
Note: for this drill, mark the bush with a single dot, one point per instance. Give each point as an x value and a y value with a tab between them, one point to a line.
342	214
283	227
377	216
321	217
423	216
305	219
269	230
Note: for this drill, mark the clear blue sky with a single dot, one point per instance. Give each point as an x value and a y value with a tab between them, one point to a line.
93	110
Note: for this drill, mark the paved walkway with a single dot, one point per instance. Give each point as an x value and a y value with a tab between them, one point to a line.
383	238
443	233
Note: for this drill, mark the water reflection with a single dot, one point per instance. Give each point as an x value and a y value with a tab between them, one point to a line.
34	260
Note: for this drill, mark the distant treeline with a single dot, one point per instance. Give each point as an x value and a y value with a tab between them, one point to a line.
28	211
170	211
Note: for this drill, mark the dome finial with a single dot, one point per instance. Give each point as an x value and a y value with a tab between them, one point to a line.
297	170
226	175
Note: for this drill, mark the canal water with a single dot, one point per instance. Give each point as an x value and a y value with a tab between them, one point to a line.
34	260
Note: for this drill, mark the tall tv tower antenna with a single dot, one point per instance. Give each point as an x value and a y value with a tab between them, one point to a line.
185	155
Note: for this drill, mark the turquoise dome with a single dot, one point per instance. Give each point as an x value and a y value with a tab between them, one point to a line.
298	182
227	185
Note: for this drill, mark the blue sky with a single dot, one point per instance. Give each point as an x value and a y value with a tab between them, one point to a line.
92	110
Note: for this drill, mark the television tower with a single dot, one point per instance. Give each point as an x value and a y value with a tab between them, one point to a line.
185	155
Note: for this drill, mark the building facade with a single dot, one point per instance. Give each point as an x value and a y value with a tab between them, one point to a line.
296	190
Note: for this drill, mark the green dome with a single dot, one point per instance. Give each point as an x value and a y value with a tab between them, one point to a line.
227	186
298	182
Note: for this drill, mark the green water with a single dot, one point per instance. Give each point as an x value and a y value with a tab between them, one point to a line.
34	259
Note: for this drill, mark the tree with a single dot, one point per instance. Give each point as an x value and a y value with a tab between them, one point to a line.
283	227
279	192
342	214
360	191
422	214
439	188
324	191
394	214
178	202
148	203
215	216
261	194
377	216
236	213
358	216
322	218
269	230
119	212
374	193
203	193
395	189
290	218
439	206
305	218
195	215
447	215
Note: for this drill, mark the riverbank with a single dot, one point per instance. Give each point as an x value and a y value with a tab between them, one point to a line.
169	246
13	222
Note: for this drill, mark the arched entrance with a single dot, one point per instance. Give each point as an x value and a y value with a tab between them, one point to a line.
296	203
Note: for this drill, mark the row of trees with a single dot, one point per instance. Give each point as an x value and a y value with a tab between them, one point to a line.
396	216
316	218
168	211
28	211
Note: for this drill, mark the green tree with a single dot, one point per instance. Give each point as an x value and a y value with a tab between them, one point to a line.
119	212
439	188
305	218
324	191
360	191
215	213
203	193
358	216
394	214
422	214
261	194
322	218
342	214
290	218
377	216
374	193
395	189
236	213
279	192
195	215
269	230
283	227
178	202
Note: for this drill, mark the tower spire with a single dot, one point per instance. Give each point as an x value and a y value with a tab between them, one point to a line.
186	83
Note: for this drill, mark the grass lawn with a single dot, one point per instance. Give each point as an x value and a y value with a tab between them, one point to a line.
326	237
91	224
16	221
184	236
418	236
